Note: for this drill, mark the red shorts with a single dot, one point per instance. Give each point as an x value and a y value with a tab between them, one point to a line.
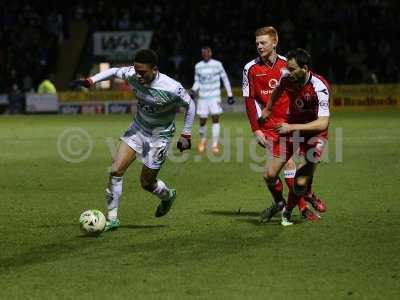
311	147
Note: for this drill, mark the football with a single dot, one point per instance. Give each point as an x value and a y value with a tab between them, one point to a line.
92	222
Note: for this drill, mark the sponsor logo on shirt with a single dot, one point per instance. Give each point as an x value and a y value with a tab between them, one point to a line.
266	92
273	83
299	103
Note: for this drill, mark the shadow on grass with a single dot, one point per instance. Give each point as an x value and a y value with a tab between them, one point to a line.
131	226
45	253
59	225
229	213
276	220
257	222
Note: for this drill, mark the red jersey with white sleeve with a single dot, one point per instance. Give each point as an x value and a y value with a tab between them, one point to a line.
259	80
307	102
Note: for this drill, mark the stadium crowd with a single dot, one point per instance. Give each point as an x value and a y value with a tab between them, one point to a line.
350	42
29	36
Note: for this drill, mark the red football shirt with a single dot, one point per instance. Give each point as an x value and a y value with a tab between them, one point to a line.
259	80
307	102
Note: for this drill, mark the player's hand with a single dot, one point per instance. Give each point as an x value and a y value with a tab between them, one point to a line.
231	100
265	114
81	82
283	128
184	142
260	138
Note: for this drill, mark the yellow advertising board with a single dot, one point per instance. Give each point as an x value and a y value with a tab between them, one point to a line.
365	96
359	97
95	96
352	97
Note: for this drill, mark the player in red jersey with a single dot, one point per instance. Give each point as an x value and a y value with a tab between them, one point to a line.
308	116
260	77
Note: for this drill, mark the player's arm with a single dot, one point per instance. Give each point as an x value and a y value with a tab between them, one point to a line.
227	85
248	93
276	93
318	125
122	73
252	108
196	84
184	142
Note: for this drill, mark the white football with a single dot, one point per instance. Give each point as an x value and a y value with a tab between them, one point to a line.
92	222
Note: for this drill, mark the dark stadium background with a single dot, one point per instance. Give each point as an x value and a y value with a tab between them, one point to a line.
350	41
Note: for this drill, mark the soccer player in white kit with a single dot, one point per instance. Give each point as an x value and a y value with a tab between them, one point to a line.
151	131
207	85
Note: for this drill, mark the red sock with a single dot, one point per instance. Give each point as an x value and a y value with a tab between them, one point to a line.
289	182
276	187
302	204
296	200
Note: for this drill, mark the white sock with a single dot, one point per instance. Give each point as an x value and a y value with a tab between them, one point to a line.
289	173
202	132
215	133
161	190
113	194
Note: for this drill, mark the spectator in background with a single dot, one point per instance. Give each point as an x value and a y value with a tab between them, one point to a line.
16	99
29	34
27	83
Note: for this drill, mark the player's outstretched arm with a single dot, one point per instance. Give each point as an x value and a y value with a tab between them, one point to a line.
85	82
122	73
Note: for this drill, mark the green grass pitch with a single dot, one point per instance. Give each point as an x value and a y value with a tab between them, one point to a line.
210	245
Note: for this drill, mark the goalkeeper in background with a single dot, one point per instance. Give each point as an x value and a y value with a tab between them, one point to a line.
207	86
151	131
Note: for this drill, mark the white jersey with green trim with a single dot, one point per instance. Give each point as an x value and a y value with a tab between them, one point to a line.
157	102
207	80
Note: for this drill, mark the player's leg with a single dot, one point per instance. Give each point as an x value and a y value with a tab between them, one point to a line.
312	150
303	173
302	180
274	184
156	186
122	160
216	128
215	110
153	158
290	172
201	147
313	199
305	211
202	112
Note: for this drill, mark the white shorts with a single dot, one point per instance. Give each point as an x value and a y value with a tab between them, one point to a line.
206	107
152	150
